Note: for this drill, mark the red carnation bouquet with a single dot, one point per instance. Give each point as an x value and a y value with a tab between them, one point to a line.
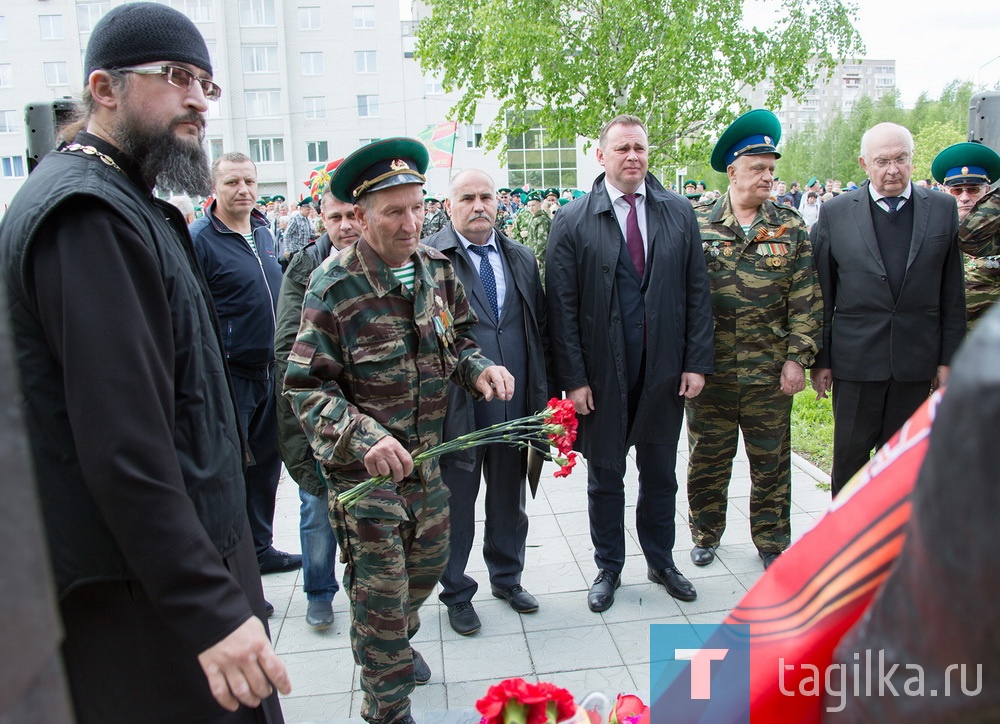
555	426
516	701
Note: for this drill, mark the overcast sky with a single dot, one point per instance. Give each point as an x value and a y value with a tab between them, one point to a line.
932	41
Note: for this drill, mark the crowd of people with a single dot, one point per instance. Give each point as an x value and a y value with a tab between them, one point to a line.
170	362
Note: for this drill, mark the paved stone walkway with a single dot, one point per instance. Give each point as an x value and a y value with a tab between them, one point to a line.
564	642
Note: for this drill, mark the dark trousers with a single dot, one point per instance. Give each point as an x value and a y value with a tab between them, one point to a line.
657	500
123	663
504	468
865	416
259	420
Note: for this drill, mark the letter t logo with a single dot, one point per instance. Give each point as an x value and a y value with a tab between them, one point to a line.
701	668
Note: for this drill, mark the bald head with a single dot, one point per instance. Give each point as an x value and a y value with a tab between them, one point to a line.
887	158
465	176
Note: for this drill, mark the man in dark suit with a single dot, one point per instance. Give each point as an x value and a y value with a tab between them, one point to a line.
891	275
502	283
630	318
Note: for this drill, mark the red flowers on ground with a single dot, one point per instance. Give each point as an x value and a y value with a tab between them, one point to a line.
629	709
516	701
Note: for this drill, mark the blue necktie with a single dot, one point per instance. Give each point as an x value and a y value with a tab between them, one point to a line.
893	202
487	276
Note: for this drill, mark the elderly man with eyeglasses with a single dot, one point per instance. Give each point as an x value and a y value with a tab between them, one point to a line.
894	299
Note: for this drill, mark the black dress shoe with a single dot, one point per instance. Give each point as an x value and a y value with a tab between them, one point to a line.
677	585
602	590
268	608
319	615
519	599
275	561
421	671
702	555
768	557
463	618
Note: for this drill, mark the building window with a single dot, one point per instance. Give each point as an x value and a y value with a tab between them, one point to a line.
56	73
364	61
474	136
317	152
50	27
310	18
366	141
364	17
87	15
312	63
8	122
314	107
535	157
214	149
13	166
257	13
267	150
6	75
432	85
260	58
367	106
263	103
200	11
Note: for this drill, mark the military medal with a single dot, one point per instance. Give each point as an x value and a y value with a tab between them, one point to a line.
728	251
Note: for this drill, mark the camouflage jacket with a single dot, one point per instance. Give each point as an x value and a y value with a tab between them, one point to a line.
372	359
766	299
979	232
433	223
532	230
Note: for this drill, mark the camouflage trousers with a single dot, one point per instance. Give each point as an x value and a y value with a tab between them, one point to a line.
715	418
392	567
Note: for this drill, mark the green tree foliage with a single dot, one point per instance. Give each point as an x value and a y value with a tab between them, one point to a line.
830	149
581	62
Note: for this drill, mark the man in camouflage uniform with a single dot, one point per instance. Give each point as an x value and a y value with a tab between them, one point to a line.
531	228
966	170
435	217
385	325
505	210
767	309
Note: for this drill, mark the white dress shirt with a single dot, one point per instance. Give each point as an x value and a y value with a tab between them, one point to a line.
495	261
622	208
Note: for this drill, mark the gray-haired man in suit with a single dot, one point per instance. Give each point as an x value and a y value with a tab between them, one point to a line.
502	283
891	274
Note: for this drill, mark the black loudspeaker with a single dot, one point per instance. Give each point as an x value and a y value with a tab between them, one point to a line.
984	119
41	122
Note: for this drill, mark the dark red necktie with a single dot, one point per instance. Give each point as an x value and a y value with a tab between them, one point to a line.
633	237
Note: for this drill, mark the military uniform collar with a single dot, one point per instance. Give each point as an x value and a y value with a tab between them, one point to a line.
380	275
723	214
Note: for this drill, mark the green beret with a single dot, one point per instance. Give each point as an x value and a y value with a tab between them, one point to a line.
552	192
812	182
379	165
307	201
503	190
754	133
518	191
278	198
533	196
966	164
563	202
434	199
689	182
